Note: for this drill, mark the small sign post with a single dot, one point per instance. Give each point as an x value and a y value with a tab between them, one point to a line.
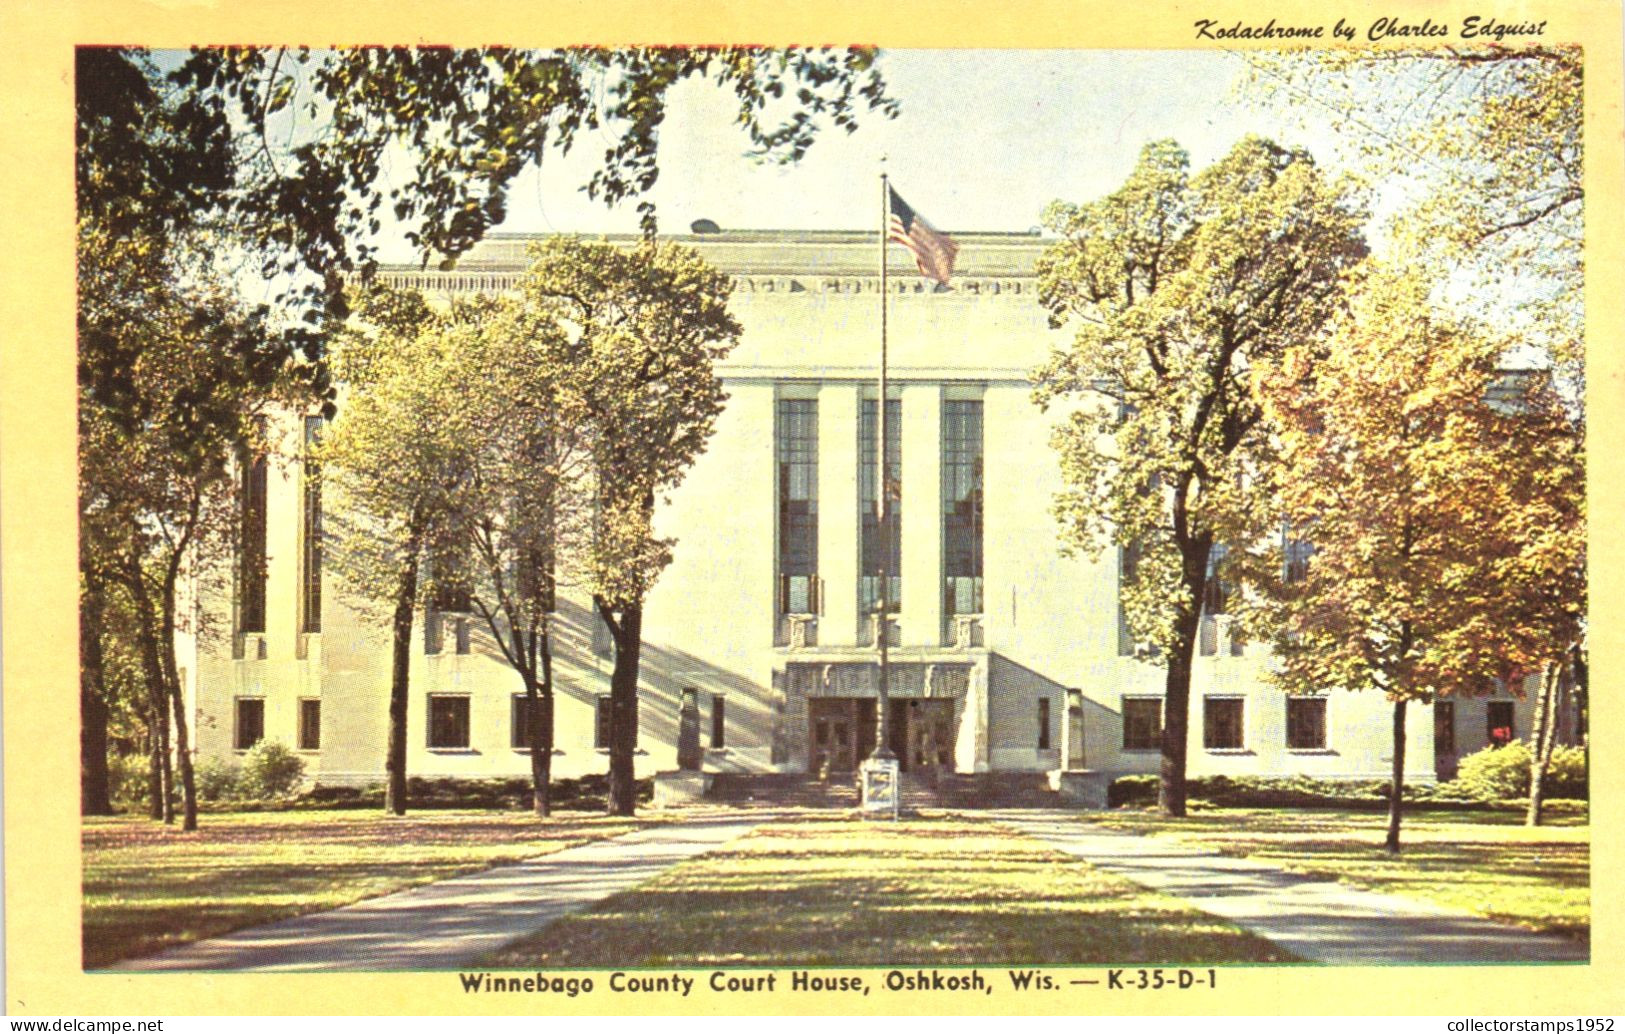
880	789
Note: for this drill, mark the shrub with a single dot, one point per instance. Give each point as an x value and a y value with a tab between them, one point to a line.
1502	773
1496	773
127	781
271	769
217	779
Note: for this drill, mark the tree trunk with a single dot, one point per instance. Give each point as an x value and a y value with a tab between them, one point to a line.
1396	792
95	796
1176	709
540	733
1542	740
172	679
155	762
406	595
183	755
623	712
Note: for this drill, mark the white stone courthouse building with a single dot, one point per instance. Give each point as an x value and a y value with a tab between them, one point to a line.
1006	656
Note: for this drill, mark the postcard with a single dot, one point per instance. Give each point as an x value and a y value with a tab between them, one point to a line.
634	511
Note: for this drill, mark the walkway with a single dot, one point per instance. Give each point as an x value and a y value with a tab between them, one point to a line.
1315	919
454	922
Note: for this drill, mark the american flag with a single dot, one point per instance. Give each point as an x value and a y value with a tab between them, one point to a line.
933	250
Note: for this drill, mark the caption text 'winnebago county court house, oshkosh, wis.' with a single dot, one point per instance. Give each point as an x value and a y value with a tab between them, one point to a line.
1007	657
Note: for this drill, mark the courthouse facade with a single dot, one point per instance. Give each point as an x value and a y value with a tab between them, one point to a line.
1006	656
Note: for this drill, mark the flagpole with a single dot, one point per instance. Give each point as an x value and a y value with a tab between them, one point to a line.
883	627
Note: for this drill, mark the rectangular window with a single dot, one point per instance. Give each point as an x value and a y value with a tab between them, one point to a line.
1142	723
719	721
601	725
1295	553
1498	714
798	506
434	631
870	542
310	724
521	722
1221	723
448	722
251	546
310	561
250	722
1306	723
1444	728
962	506
1043	724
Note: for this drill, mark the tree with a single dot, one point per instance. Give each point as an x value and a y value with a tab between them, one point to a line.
156	447
1492	136
1410	463
277	158
517	519
642	330
304	151
1179	286
395	456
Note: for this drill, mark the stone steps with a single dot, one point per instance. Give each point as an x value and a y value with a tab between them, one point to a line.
948	790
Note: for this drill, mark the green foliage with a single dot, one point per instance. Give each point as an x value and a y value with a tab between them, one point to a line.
218	779
271	770
1179	286
1502	773
127	776
588	793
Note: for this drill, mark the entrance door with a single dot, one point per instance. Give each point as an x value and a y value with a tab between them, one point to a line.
842	734
923	734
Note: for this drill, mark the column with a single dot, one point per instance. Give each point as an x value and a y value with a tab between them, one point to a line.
838	513
921	620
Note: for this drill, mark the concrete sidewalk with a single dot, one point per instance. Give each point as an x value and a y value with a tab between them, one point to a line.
453	922
1318	920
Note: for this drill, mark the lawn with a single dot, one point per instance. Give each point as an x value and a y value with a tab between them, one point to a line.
148	886
1483	862
922	891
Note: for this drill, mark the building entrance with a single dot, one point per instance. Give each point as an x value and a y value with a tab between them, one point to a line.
842	733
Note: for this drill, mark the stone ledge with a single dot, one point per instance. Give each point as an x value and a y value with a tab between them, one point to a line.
679	789
1081	787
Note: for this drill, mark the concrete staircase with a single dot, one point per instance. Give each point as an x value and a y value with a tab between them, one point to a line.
947	791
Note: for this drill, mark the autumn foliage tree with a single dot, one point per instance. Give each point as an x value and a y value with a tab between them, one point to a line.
1442	501
1178	286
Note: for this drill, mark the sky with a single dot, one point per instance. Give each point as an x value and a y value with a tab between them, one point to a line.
984	141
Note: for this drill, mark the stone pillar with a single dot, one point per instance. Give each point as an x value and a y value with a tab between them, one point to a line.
838	513
1072	751
689	754
921	619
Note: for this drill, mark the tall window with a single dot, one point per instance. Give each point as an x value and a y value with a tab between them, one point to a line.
1128	569
1295	553
1444	728
520	737
251	546
310	574
1498	714
719	721
1306	723
601	734
869	548
250	722
448	722
798	506
1221	723
310	723
962	506
1142	723
1044	738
